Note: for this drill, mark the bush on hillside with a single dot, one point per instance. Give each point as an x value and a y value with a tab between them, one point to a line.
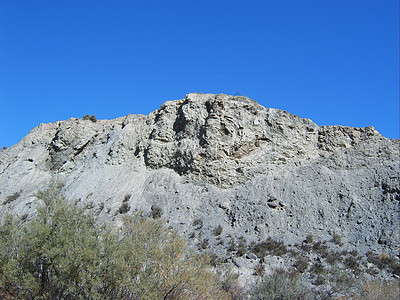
63	254
382	290
90	117
280	285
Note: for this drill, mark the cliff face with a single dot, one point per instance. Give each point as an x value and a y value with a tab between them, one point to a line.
224	160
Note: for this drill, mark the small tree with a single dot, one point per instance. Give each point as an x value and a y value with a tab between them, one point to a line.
161	267
63	254
9	242
57	251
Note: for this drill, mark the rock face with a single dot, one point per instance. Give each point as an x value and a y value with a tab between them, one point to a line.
218	160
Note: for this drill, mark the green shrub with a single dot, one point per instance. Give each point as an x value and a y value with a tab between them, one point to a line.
156	211
280	285
301	264
395	269
90	117
124	208
231	285
23	217
309	239
277	248
384	261
333	257
12	197
341	283
259	269
127	197
241	247
232	245
354	252
382	290
337	239
63	254
204	244
57	252
306	247
352	263
321	248
317	268
9	236
218	230
198	223
213	259
157	255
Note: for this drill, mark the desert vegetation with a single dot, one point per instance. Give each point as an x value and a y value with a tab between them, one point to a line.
62	253
12	197
280	285
90	118
313	269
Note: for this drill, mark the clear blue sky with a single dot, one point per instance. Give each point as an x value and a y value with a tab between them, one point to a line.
333	61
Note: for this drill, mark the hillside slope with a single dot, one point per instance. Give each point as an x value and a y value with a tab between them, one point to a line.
210	160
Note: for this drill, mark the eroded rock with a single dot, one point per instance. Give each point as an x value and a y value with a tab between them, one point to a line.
217	159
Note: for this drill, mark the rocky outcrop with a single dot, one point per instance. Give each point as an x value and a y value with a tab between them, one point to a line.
226	140
218	160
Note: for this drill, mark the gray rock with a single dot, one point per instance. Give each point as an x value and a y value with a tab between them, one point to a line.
218	159
251	256
272	204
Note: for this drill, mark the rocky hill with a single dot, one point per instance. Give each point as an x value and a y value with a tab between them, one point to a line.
226	172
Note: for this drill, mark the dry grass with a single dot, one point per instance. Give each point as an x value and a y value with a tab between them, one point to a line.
381	290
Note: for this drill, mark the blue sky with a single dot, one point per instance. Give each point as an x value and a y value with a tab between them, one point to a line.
333	61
